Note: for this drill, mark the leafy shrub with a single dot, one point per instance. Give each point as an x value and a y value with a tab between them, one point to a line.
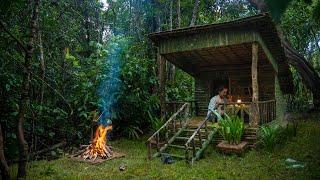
292	128
135	100
232	129
269	135
181	88
155	122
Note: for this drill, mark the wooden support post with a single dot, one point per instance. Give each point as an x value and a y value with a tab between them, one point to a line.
193	148
149	150
200	137
162	82
158	142
255	90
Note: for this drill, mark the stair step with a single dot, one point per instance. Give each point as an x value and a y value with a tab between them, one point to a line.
180	147
173	155
188	130
187	138
192	130
182	138
176	146
251	137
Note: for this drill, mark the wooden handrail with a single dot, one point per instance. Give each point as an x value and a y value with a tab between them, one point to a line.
172	102
232	103
170	119
272	100
173	119
247	102
267	111
172	106
195	132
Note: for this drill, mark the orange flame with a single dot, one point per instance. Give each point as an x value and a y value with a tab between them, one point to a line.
99	146
100	139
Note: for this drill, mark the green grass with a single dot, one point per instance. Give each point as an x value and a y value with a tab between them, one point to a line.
255	164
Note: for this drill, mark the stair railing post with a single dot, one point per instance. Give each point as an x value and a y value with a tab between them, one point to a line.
206	128
180	122
149	150
158	144
174	124
200	137
187	154
186	112
193	148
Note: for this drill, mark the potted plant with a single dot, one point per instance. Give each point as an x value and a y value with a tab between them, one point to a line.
232	130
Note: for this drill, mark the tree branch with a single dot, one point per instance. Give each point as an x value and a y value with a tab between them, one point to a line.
56	91
12	36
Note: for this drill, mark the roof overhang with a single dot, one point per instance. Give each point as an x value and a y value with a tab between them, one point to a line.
195	49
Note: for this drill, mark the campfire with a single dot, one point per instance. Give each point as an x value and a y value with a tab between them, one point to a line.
98	150
98	147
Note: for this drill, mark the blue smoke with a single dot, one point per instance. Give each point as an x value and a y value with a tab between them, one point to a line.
111	82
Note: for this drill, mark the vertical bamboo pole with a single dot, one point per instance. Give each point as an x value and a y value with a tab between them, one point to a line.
193	148
255	89
158	143
206	128
200	137
187	111
149	150
269	111
174	125
162	82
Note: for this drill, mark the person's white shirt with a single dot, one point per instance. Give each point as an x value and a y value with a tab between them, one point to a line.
214	104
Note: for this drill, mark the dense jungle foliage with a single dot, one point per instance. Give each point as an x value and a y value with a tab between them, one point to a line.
70	61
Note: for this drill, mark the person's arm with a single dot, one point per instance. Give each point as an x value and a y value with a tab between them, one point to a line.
226	101
212	104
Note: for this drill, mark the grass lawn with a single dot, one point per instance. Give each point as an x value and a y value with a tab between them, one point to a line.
256	164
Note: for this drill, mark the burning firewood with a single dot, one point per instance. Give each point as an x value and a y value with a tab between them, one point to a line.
98	147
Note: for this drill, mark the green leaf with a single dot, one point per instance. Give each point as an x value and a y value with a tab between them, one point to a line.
51	134
8	87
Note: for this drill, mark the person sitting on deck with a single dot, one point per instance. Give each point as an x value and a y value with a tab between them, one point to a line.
216	103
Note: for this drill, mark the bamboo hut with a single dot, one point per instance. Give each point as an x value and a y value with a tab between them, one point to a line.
245	55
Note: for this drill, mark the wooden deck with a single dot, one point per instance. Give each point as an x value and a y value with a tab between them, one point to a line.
195	121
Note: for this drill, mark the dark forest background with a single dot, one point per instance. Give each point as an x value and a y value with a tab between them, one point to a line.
53	57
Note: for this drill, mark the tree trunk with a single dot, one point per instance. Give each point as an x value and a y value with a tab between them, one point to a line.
309	75
195	13
42	63
259	4
42	76
171	67
178	14
24	101
87	30
162	82
159	22
171	15
3	166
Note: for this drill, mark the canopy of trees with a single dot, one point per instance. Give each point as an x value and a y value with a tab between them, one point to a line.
53	57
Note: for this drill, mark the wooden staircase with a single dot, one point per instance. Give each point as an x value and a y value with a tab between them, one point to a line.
181	139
